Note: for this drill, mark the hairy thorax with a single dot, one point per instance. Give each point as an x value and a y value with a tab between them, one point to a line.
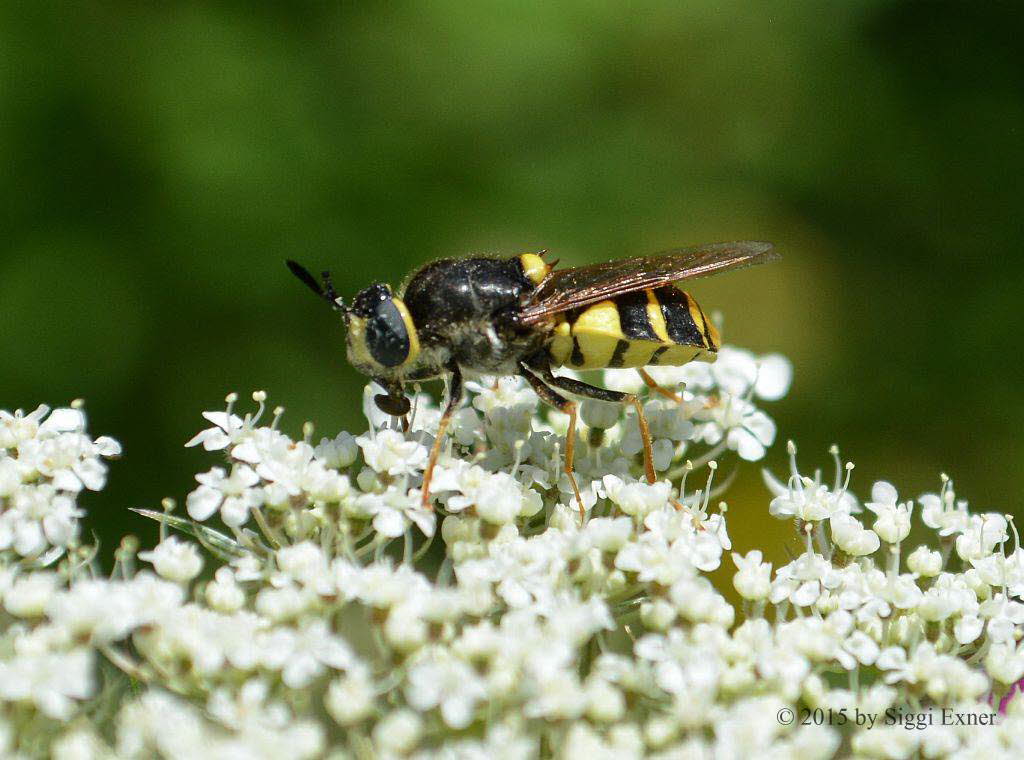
465	311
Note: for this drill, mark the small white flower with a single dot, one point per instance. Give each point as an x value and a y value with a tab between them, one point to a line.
658	614
803	580
18	427
753	577
498	498
887	741
304	563
395	509
605	703
234	495
982	535
968	628
636	499
809	499
1005	662
1004	617
901	591
77	744
502	393
51	681
290	470
103	611
774	377
226	428
893	523
69	459
608	534
338	452
450	684
398	732
11	472
30	594
283	601
668	424
738	372
500	504
862	647
745	428
39	517
223	593
350	698
174	559
301	655
925	562
936	605
809	503
993	570
229	430
600	414
943	512
388	452
852	537
559	696
465	426
892	658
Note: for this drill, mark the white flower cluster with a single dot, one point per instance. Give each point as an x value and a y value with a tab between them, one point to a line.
306	605
46	460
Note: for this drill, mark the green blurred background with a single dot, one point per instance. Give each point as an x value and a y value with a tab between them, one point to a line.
162	159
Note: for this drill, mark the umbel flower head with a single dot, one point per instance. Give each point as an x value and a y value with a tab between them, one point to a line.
304	603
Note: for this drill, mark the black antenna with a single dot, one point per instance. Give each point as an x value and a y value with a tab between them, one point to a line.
325	291
328	287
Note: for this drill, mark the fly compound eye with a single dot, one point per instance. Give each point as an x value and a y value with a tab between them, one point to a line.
387	333
387	338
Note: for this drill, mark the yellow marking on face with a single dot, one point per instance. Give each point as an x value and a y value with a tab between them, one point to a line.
656	318
534	267
359	353
414	339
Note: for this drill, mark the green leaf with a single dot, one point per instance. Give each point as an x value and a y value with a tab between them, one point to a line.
45	560
224	547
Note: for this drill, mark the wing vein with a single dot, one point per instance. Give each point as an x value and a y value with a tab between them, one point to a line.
567	289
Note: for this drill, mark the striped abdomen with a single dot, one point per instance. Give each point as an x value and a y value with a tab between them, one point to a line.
662	326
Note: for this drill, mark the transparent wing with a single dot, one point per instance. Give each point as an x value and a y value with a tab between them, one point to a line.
572	288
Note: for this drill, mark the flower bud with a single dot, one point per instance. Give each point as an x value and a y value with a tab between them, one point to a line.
398	732
925	562
600	414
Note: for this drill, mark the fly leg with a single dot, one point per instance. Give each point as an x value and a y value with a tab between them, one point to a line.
579	388
454	397
550	397
651	383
